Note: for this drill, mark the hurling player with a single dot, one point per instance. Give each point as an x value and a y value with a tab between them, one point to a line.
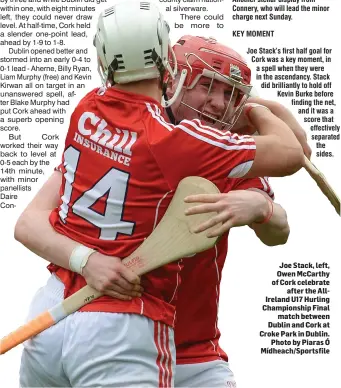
121	165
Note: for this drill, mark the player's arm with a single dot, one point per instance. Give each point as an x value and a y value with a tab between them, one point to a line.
278	152
198	149
276	230
285	115
33	229
243	207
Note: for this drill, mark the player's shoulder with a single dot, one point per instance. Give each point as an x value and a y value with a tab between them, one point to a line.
85	100
93	93
156	124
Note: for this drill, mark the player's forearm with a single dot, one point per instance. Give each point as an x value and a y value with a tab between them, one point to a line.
276	231
34	230
286	116
278	110
278	152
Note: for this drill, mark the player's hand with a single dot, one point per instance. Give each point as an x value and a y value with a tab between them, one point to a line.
109	276
236	208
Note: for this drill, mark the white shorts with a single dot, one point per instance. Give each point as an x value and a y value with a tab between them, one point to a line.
90	349
213	374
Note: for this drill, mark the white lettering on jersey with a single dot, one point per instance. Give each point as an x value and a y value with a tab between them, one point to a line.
81	123
119	140
102	151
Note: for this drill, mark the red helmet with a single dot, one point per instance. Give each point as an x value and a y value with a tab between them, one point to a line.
205	57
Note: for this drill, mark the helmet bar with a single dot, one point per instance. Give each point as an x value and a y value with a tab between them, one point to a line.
228	105
234	80
223	123
172	72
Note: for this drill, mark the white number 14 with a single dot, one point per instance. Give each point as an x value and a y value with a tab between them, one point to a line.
113	185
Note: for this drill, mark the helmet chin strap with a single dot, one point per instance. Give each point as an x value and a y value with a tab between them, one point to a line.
170	113
167	103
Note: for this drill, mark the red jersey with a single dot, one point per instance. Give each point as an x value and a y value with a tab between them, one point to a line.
196	329
121	165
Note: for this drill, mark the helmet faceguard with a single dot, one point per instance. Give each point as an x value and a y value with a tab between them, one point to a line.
200	57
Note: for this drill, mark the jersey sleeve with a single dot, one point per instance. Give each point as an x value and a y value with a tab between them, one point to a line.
261	183
191	148
59	167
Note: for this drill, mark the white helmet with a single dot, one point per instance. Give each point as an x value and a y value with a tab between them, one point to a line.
132	43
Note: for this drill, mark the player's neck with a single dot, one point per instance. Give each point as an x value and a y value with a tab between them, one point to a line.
150	88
